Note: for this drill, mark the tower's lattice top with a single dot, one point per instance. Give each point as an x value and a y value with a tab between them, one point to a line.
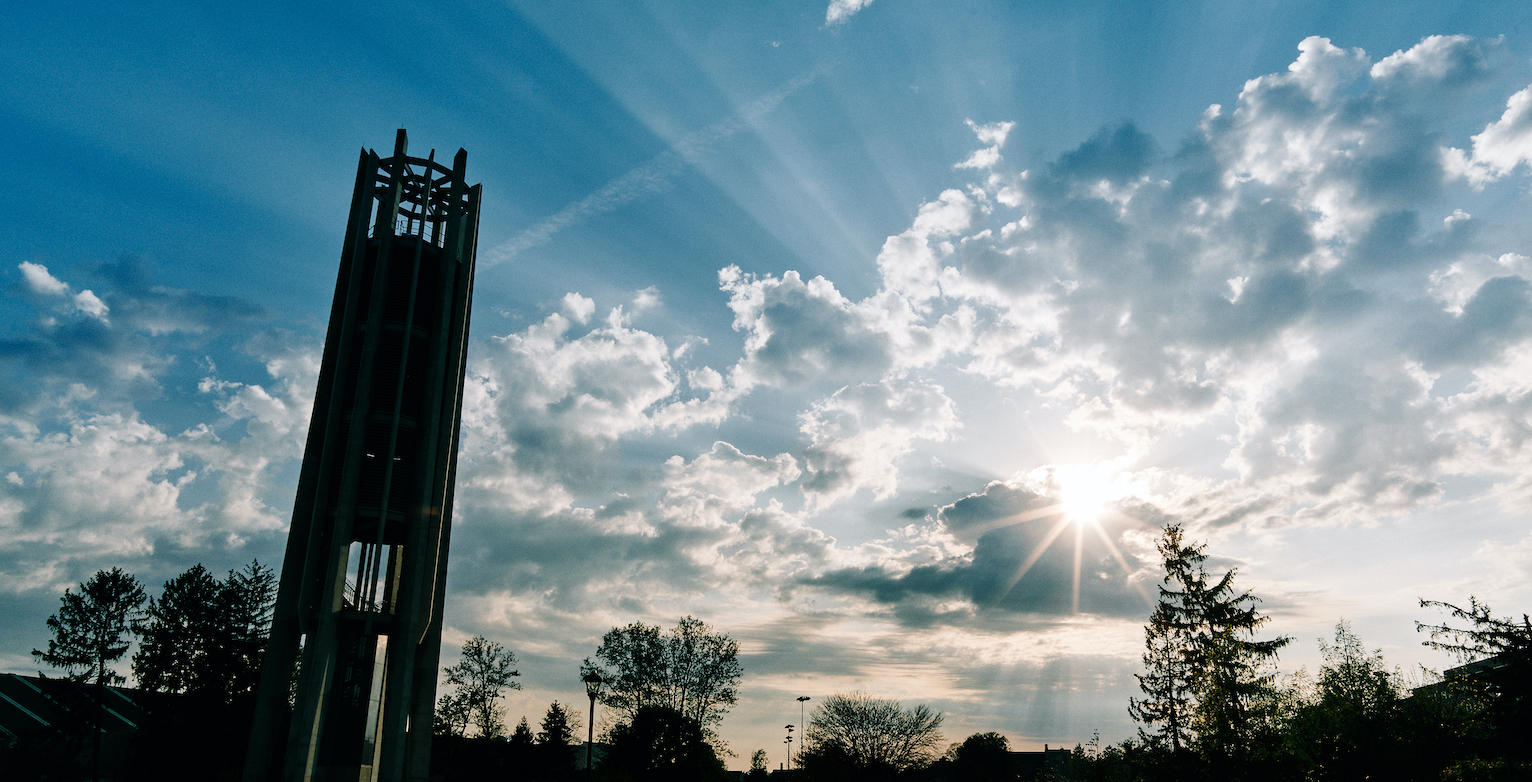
428	192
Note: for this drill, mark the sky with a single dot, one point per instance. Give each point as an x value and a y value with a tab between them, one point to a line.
882	335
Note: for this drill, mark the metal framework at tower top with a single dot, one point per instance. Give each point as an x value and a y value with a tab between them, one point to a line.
356	632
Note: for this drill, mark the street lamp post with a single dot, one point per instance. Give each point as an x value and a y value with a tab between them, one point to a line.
789	746
801	699
592	689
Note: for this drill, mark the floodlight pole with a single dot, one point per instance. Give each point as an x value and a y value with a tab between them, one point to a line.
801	699
790	746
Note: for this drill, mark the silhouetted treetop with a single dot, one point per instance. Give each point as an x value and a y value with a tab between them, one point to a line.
1486	635
868	733
206	636
481	675
91	627
690	668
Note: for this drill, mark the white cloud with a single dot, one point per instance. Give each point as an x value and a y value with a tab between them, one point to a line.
1504	144
41	281
1321	69
578	307
722	480
88	303
858	434
1104	282
993	134
987	157
109	486
798	332
841	10
1437	60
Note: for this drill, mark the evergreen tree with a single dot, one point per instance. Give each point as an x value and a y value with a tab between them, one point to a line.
183	641
1166	682
555	755
1508	682
1170	676
1201	653
206	636
558	726
480	676
90	627
89	633
522	735
248	598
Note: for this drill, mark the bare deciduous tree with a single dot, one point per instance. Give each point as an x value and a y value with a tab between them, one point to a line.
691	669
480	676
869	732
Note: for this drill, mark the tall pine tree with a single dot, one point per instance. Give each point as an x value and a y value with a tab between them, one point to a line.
1206	674
90	633
1167	682
178	648
207	636
90	628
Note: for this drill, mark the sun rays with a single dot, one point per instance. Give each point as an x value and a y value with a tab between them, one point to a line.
1086	495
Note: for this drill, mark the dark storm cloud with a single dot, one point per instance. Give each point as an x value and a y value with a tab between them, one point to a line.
922	595
998	502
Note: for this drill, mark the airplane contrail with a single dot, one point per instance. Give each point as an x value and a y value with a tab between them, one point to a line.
653	176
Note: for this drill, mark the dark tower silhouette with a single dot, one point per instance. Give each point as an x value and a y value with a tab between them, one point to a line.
361	595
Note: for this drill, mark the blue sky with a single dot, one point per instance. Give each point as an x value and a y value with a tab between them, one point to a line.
804	318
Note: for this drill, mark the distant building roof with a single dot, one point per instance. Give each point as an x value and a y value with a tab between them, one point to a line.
29	703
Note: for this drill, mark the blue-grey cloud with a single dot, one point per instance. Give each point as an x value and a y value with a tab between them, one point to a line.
1022	563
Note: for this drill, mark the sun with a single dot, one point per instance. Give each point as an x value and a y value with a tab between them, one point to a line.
1087	496
1084	493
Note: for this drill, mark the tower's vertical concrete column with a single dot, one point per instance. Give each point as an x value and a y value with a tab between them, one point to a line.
349	681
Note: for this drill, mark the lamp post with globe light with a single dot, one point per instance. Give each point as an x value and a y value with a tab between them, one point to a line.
593	683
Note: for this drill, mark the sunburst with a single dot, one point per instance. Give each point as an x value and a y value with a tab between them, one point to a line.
1086	494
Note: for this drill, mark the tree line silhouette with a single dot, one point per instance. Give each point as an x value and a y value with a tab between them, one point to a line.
1214	708
1213	705
200	645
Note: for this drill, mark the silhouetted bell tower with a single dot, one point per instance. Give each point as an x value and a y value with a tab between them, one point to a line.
356	633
